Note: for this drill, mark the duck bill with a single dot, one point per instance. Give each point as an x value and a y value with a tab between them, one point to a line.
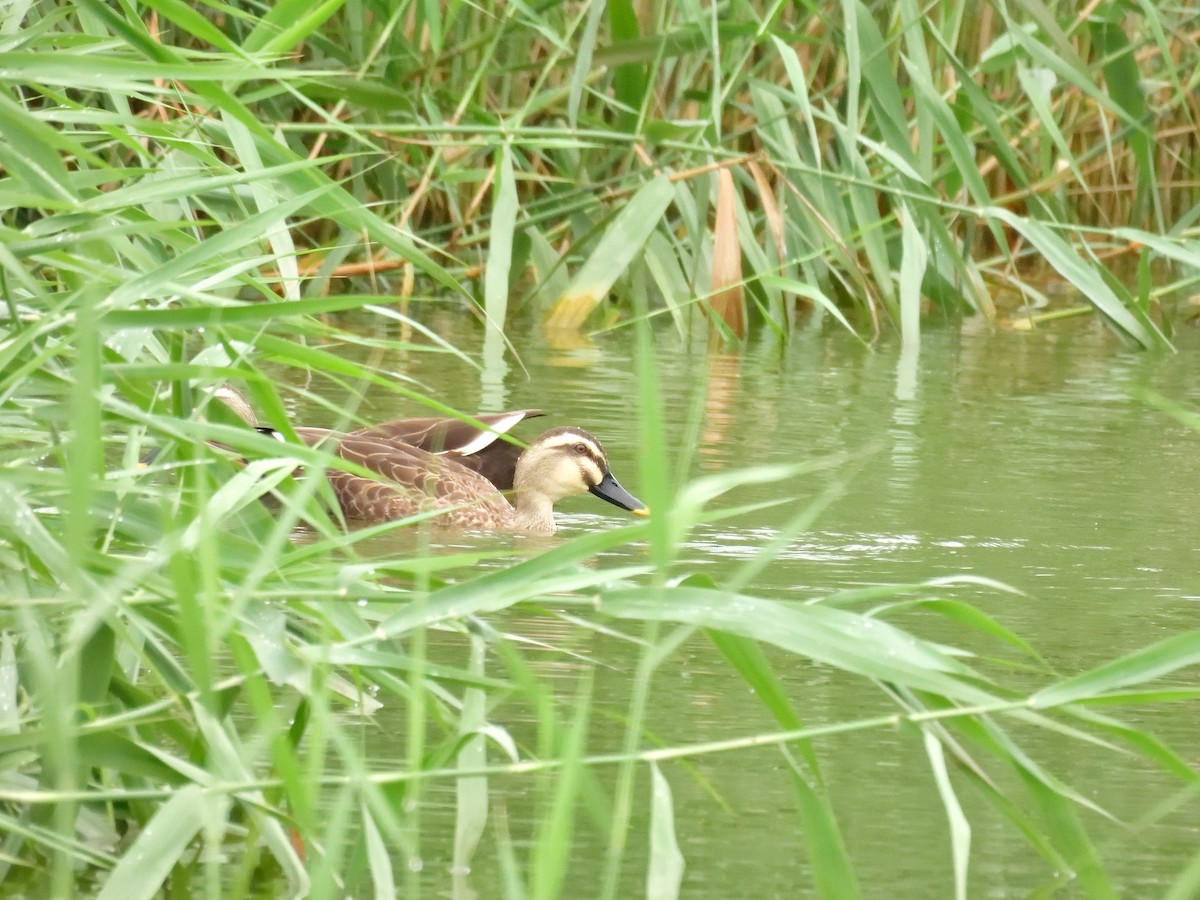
610	489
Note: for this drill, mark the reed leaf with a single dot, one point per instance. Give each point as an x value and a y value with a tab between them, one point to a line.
1153	662
666	861
159	848
617	248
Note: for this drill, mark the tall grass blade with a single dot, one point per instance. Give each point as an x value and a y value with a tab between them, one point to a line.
1069	838
663	264
912	274
811	293
617	248
160	847
833	870
278	236
879	78
1038	84
379	860
1188	883
629	79
471	792
1163	658
1093	287
876	650
286	24
555	830
960	828
583	60
500	249
666	860
1123	80
9	713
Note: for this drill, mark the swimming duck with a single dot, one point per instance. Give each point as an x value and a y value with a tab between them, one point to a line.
480	449
466	479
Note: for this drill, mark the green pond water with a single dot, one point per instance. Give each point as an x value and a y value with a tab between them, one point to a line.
1026	458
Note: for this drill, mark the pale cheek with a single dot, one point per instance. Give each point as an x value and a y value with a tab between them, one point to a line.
569	480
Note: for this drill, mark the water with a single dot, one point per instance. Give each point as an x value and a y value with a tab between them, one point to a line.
1027	458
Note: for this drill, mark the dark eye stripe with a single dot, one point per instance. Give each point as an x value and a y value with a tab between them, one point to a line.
595	458
580	446
591	477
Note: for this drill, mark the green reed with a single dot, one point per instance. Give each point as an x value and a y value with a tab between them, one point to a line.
882	159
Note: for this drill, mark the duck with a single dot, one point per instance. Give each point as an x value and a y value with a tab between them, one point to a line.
459	470
479	447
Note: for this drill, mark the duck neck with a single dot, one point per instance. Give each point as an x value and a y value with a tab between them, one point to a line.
535	512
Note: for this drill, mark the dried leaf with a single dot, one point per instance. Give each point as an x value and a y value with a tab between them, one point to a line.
770	208
727	299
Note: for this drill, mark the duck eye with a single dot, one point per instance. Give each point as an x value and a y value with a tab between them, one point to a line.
580	449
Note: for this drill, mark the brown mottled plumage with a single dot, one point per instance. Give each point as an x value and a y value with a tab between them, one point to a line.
464	481
482	450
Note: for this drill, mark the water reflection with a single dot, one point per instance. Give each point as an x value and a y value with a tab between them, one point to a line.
720	412
493	377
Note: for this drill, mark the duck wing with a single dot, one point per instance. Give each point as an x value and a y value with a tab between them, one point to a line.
413	481
475	448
